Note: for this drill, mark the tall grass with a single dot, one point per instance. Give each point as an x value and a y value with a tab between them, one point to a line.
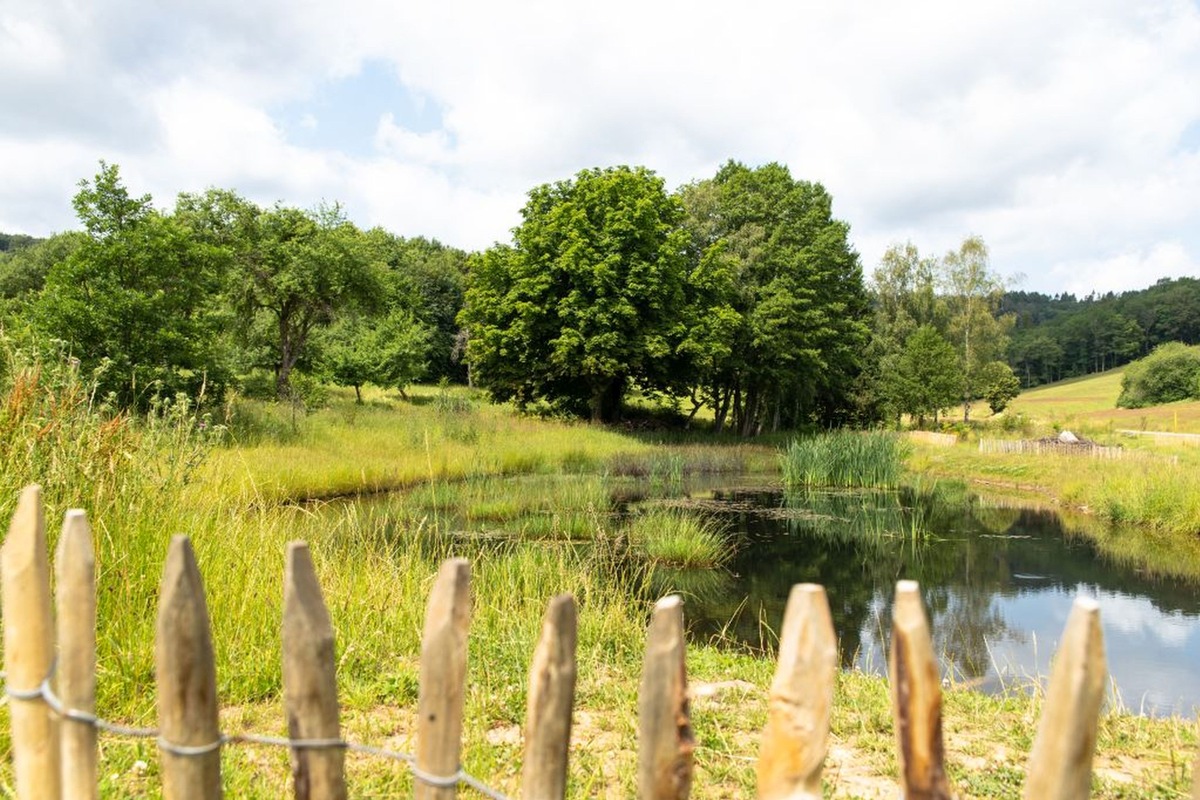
845	459
142	480
678	539
389	444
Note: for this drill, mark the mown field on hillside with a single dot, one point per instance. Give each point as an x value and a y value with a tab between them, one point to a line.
1090	405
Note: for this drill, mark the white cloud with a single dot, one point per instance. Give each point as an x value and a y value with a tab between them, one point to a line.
1052	130
1129	270
404	145
1136	615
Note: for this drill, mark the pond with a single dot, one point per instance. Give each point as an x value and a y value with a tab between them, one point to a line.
998	583
998	578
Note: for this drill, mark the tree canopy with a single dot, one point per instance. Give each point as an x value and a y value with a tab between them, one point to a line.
154	301
134	300
1171	372
588	297
779	307
291	272
741	291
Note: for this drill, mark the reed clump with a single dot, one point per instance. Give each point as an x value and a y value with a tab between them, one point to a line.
873	459
677	539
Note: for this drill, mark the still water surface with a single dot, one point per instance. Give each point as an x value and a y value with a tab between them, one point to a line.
998	583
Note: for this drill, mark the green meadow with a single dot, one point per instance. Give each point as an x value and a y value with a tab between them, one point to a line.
539	506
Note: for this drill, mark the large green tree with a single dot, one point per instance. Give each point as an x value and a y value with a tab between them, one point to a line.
927	374
292	272
1171	372
136	296
587	300
779	295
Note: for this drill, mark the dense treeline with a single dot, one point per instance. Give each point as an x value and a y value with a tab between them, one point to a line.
740	294
1061	336
16	241
219	291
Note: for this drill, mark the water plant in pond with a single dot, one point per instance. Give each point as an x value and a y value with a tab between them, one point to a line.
679	539
869	515
845	458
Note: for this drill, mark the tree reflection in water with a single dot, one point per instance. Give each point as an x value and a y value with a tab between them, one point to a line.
969	556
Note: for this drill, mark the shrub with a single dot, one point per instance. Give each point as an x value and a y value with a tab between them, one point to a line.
1170	373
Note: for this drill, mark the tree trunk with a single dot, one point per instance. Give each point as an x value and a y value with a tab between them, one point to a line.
750	412
697	404
358	395
738	410
283	385
606	400
723	396
287	360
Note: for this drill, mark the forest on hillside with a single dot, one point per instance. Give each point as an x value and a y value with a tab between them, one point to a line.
1061	336
740	294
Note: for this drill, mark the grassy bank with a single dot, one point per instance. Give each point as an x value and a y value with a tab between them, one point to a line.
439	435
1155	486
143	481
1089	405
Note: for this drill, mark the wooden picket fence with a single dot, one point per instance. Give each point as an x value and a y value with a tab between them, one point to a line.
50	681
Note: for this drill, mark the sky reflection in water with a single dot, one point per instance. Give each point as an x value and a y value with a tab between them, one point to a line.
998	584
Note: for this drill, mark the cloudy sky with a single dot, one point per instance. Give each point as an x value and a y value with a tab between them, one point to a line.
1066	134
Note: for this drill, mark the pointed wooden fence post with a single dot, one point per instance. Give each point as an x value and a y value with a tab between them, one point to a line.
665	742
796	736
75	567
551	699
187	682
443	678
916	699
29	649
1060	764
310	681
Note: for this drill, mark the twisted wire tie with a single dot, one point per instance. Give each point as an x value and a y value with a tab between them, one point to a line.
45	692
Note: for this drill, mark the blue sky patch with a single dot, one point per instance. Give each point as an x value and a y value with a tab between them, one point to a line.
344	114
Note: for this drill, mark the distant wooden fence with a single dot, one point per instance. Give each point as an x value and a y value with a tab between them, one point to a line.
1038	447
51	688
